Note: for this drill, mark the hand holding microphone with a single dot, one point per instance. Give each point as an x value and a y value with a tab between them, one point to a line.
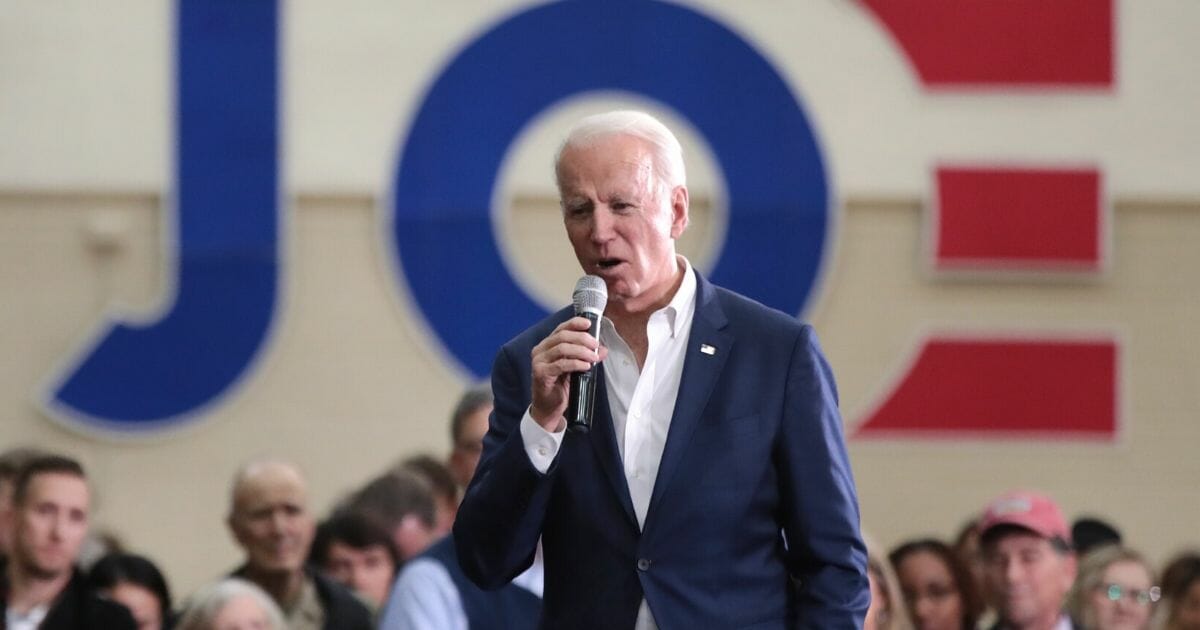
564	372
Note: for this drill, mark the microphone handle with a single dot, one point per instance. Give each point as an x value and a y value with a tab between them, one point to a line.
581	399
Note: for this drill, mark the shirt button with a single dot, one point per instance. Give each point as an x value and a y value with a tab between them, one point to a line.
542	451
643	564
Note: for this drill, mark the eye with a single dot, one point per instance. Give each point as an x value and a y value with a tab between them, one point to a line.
576	207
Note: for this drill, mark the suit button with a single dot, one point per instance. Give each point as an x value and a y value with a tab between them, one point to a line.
643	564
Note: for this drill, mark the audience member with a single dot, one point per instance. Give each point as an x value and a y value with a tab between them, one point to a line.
269	518
444	488
11	462
402	502
937	586
232	604
1114	591
40	587
468	425
1028	563
887	610
134	582
1181	589
1089	532
358	553
432	592
966	547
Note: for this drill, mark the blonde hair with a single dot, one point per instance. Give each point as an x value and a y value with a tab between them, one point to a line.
1091	572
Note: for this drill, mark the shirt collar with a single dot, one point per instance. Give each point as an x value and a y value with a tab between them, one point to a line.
685	296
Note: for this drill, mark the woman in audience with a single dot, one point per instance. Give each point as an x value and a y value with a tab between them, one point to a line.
1181	590
232	604
887	610
136	583
1114	590
937	586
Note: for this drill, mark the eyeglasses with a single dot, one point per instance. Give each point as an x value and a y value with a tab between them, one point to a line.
1116	592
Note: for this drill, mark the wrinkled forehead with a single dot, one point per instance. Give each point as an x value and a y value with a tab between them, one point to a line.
605	156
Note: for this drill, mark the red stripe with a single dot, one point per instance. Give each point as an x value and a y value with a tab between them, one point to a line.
1004	42
1003	388
1018	218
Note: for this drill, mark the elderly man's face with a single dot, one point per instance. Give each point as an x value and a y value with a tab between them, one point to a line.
1027	578
270	519
620	221
50	524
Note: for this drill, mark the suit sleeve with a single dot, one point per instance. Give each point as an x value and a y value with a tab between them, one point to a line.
826	553
500	519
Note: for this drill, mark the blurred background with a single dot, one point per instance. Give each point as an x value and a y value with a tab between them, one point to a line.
237	229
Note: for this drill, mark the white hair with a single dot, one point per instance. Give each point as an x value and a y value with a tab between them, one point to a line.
665	147
206	605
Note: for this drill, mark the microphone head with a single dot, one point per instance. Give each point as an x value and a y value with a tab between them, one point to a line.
590	296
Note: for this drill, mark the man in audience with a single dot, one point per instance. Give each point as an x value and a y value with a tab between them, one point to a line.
432	593
1028	562
468	425
40	586
270	519
442	484
401	501
358	553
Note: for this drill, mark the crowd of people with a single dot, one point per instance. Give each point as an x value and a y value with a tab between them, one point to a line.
1021	566
383	559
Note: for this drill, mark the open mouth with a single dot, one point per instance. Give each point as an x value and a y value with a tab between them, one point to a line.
608	263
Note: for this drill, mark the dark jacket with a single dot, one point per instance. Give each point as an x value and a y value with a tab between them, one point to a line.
754	448
75	608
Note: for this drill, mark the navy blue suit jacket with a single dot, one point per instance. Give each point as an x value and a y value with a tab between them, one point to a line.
753	521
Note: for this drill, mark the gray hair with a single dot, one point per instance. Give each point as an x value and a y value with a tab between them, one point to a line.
206	605
665	147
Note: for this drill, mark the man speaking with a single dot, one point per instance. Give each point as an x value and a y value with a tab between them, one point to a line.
713	488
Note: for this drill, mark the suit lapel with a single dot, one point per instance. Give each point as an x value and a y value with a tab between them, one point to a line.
707	349
604	439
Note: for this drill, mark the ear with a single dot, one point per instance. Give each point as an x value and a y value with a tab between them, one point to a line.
232	523
679	211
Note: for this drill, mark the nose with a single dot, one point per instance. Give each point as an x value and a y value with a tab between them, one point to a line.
1013	572
1127	604
602	225
278	522
58	528
922	609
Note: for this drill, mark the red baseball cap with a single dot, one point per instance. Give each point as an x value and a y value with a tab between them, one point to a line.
1029	510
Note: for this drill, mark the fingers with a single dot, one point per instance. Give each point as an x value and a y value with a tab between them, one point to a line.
567	350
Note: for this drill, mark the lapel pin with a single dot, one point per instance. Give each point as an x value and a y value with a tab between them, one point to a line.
707	349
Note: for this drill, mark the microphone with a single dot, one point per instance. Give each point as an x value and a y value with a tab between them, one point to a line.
590	297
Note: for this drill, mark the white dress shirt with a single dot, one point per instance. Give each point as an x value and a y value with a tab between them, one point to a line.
27	621
641	402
